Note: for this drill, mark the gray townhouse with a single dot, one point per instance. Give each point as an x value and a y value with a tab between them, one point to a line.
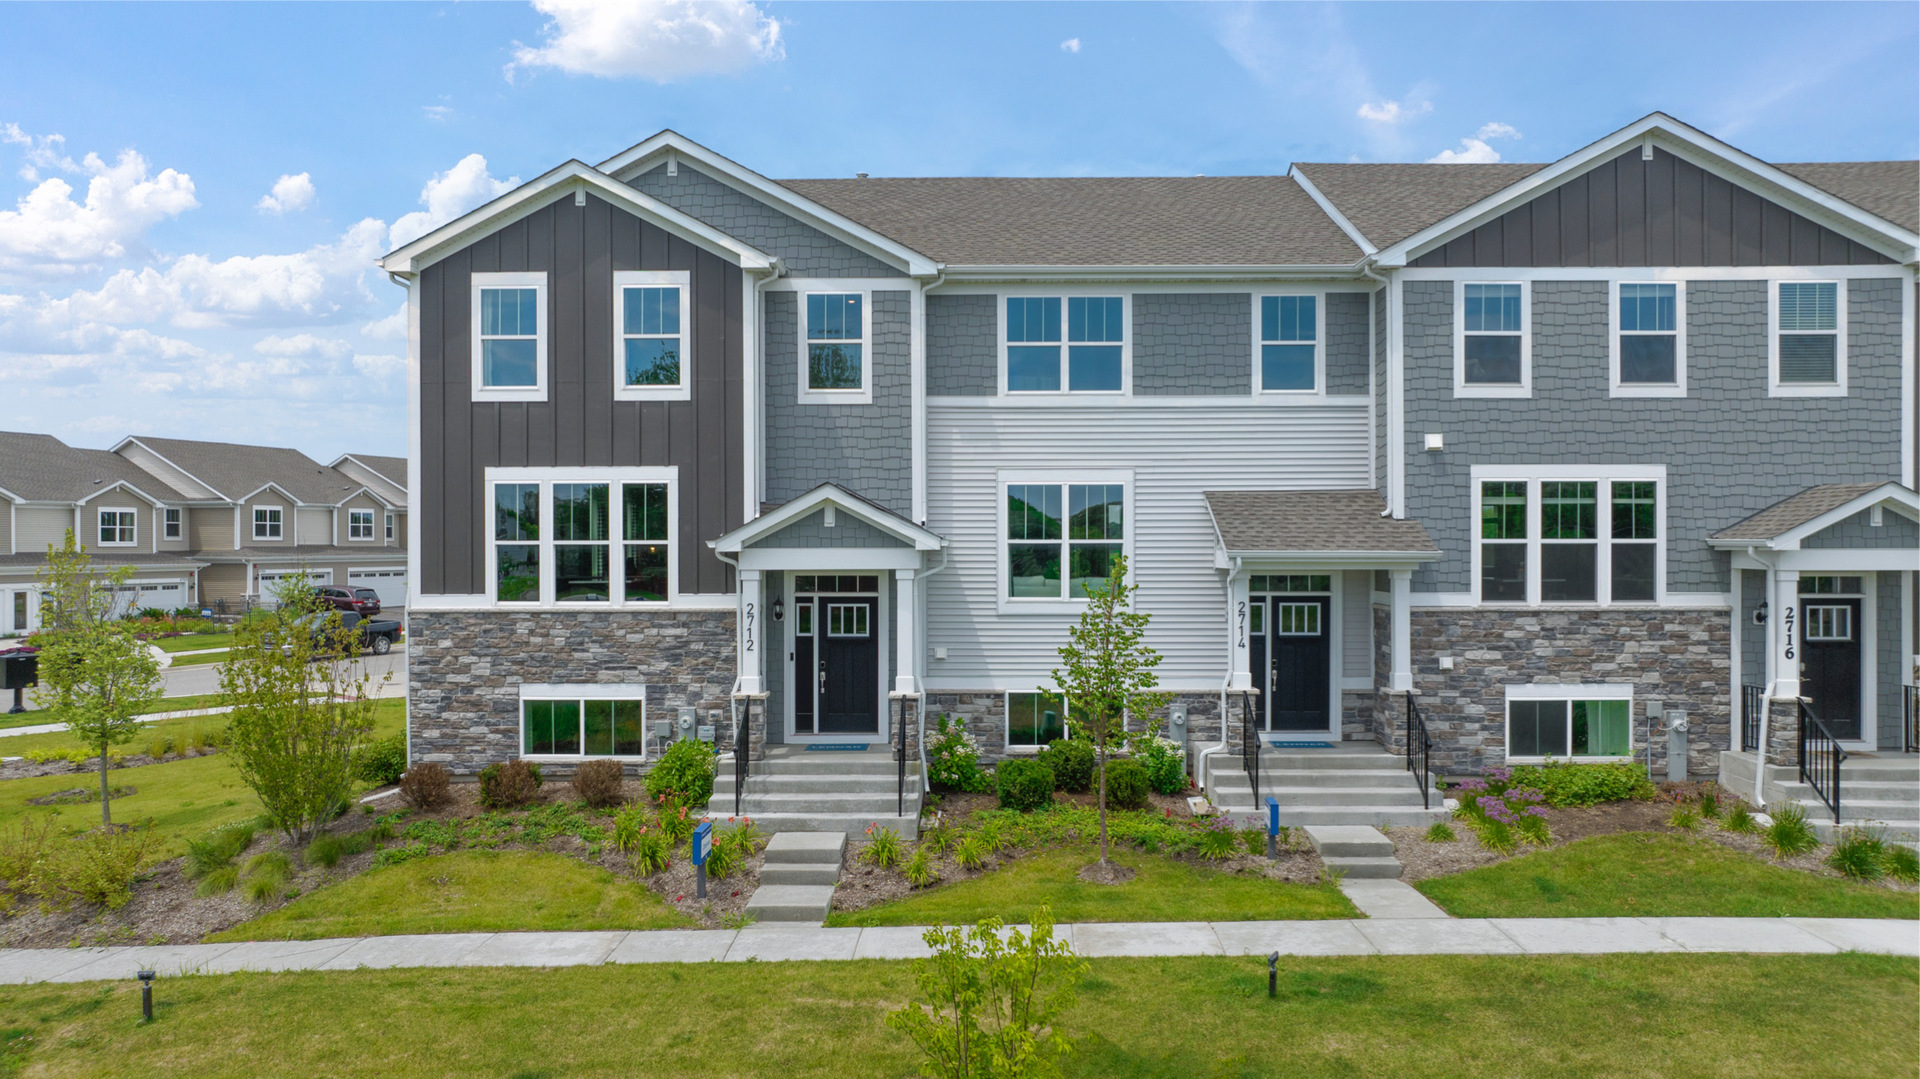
202	524
1568	460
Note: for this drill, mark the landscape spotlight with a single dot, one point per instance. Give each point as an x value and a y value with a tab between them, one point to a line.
146	994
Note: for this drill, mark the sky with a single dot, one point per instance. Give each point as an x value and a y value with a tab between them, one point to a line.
192	196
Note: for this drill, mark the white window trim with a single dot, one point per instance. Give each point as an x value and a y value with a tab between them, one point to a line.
1061	478
1603	476
536	280
1460	386
1777	388
259	524
369	537
173	523
1319	345
101	511
1006	723
546	478
625	279
1548	691
1065	294
390	527
627	691
1616	388
861	396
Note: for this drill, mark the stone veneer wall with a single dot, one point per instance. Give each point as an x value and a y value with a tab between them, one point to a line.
985	713
1679	656
466	669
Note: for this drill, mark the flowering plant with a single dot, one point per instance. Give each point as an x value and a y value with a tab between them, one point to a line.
953	757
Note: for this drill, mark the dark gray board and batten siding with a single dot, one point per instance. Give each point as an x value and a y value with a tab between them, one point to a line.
580	424
1664	212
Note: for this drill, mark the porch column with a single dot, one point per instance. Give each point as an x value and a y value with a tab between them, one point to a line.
1402	629
906	632
1786	635
748	617
1242	671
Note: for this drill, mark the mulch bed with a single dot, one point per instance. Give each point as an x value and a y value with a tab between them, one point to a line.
26	769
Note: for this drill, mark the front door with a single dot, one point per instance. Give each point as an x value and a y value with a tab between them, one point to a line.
1291	656
849	666
1830	662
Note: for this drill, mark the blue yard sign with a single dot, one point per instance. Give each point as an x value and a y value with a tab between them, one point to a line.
702	842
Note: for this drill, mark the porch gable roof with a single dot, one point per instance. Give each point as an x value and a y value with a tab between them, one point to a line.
827	494
1784	524
1344	526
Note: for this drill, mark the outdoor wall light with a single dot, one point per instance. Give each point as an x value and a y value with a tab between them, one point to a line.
146	994
1760	614
779	609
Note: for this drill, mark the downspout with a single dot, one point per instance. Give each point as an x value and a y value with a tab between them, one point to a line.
1766	695
1386	299
1226	683
920	713
733	691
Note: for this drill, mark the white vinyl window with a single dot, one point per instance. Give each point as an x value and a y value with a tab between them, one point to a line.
1574	538
1288	356
1034	719
1065	344
509	336
170	525
389	528
1492	340
1566	722
1061	538
267	522
116	527
583	721
653	328
1649	339
581	536
1807	348
835	348
359	524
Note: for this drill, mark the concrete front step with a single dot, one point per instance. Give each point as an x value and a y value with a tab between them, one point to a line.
1371	816
1287	797
852	825
788	783
791	903
1363	868
849	764
795	873
888	804
1338	777
794	847
1348	841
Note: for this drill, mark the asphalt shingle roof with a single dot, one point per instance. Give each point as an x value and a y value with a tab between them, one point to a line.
41	468
1792	512
237	471
1330	521
1888	188
1093	221
392	469
1390	202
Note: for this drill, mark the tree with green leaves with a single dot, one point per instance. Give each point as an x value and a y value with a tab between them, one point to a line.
1106	672
302	700
98	676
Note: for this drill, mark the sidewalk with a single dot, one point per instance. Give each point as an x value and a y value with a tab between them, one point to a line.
1385	936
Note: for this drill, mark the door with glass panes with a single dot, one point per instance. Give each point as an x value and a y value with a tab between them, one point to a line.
835	659
1289	632
1830	659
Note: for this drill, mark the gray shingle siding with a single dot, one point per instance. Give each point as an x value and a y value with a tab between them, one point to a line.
812	531
1347	342
1729	449
1198	344
1753	639
807	251
963	346
866	449
1857	533
1888	663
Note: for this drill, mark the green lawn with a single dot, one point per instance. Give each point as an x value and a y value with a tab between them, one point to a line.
1645	874
1560	1016
466	892
389	717
1162	890
188	642
36	716
201	658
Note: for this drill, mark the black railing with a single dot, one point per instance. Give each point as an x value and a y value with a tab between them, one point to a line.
1911	729
1419	751
742	752
1820	759
1250	745
900	751
1753	705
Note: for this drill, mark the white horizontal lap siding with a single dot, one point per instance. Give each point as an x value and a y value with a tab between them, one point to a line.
1175	454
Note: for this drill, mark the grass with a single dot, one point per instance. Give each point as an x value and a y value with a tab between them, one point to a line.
389	718
1644	874
1564	1016
189	642
201	657
466	892
35	716
1162	890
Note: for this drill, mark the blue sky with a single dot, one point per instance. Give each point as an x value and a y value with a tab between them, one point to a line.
191	195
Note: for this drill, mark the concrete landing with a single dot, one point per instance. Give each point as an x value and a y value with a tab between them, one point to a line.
1389	899
1354	851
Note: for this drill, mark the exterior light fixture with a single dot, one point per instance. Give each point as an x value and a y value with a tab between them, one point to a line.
779	608
1760	614
146	994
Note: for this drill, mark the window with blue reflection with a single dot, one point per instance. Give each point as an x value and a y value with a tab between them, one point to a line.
1289	332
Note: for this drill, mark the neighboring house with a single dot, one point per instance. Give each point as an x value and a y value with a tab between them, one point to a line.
208	524
691	441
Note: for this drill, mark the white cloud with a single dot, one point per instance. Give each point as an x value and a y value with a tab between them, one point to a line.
302	344
48	231
437	112
1072	44
391	328
43	151
379	366
1475	150
1393	112
447	196
290	193
659	40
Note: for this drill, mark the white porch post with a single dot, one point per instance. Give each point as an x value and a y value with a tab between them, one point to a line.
1402	629
1786	635
750	655
1242	676
906	632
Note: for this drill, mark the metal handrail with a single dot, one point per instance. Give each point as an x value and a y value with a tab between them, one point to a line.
742	753
900	752
1753	705
1417	725
1250	746
1820	759
1911	735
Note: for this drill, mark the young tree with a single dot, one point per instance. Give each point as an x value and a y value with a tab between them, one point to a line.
302	701
1106	672
99	674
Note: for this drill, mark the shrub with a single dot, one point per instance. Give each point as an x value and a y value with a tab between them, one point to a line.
217	849
990	1000
1025	785
22	851
97	867
1216	838
159	745
381	762
723	858
1860	853
677	823
970	852
598	783
684	774
356	843
218	882
1790	833
1740	819
1164	760
649	851
884	850
1441	832
1126	785
1902	863
953	757
509	785
1565	784
325	851
1071	761
427	785
919	869
627	826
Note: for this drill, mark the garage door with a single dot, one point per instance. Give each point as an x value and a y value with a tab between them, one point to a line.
391	584
139	595
270	580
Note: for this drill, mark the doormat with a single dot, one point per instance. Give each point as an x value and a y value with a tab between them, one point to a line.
837	747
1301	745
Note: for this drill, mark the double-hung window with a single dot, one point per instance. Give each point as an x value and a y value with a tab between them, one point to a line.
1636	550
116	528
582	535
509	337
1034	719
582	559
1503	546
833	351
516	536
359	524
1569	540
583	721
389	528
1062	538
1490	340
1648	342
1289	344
1084	352
1809	347
266	522
643	529
170	526
1569	722
1569	535
653	319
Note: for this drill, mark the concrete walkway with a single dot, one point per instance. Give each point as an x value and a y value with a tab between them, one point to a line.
1384	936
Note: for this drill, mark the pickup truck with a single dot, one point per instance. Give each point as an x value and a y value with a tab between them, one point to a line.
375	635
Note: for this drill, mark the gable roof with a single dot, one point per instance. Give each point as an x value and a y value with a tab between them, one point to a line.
1314	522
1389	202
41	468
1890	189
390	472
236	471
827	494
1095	221
1794	513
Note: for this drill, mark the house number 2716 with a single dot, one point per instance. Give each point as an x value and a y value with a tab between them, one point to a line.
1786	622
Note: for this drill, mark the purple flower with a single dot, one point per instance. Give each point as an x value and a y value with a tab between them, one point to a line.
1497	810
1499	775
1472	785
1535	811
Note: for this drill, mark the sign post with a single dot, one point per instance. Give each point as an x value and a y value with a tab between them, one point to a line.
1273	828
702	843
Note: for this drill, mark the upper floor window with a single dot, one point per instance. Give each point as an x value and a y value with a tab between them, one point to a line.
1084	352
1289	344
116	528
1648	340
170	523
834	351
607	538
1809	339
359	524
1062	538
509	336
1492	353
266	522
652	311
1591	540
389	528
